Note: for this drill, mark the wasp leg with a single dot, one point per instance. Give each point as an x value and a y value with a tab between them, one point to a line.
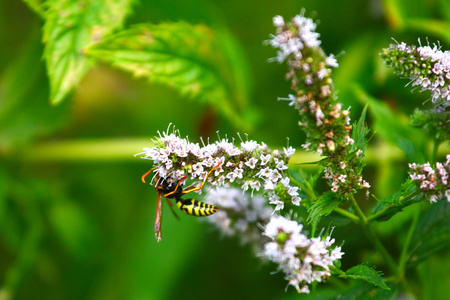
203	183
176	187
146	174
158	218
171	208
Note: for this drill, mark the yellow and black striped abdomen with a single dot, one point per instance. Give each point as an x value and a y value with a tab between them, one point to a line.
196	208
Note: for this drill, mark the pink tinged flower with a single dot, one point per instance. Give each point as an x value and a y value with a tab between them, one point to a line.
342	178
266	172
256	185
342	165
289	151
334	189
331	61
278	21
231	176
249	145
280	165
251	163
292	190
265	159
296	200
268	185
238	172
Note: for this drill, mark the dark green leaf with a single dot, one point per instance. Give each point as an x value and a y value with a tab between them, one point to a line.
70	26
323	206
395	203
193	59
432	233
395	127
368	274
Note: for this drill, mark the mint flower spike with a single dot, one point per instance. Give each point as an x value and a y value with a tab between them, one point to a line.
326	123
433	182
426	66
302	260
251	166
240	215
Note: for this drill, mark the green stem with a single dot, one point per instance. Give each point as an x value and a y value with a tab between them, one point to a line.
404	255
347	214
362	216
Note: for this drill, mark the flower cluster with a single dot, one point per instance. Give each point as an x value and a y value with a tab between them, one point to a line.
434	183
253	166
426	66
239	214
301	259
325	122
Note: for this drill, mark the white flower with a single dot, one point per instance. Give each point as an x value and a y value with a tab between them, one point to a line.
251	163
289	151
265	159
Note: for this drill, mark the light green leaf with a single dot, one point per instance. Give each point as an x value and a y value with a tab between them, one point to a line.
193	59
368	274
70	26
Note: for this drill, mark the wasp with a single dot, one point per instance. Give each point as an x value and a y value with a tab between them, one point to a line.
170	189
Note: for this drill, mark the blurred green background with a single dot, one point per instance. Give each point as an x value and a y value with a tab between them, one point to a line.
75	220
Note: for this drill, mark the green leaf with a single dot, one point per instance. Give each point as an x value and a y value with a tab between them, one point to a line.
193	59
368	274
70	26
395	127
323	206
360	132
395	203
432	233
363	291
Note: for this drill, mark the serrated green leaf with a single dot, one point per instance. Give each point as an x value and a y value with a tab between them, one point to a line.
360	132
193	59
70	26
323	206
432	232
393	204
368	274
395	127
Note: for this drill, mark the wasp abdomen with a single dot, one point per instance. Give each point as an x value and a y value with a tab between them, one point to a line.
196	208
